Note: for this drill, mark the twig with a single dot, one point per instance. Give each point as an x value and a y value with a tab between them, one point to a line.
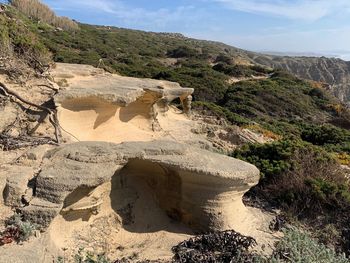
9	92
52	113
13	143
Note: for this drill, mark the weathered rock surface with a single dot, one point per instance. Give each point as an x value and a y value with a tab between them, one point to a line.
31	252
97	106
197	187
121	90
8	116
17	179
140	177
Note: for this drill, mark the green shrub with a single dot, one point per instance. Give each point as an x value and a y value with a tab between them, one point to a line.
214	109
272	159
300	178
261	69
21	42
225	58
17	230
326	135
298	246
234	70
317	92
183	52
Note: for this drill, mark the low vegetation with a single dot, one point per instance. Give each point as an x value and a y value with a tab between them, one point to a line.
306	183
230	246
16	230
20	47
299	246
226	246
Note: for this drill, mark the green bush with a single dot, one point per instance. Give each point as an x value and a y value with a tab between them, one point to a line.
272	159
234	70
261	69
17	230
298	177
21	40
326	135
225	58
298	246
183	52
214	109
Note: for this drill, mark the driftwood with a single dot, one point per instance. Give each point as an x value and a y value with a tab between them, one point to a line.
52	113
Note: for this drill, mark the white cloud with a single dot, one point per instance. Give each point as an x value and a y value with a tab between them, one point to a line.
293	9
158	18
106	6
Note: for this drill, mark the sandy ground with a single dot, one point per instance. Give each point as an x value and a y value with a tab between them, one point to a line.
129	224
236	80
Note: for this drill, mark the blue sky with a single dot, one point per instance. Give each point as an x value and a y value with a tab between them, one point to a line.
273	25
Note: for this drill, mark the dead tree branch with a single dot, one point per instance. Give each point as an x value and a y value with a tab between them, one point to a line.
52	113
9	143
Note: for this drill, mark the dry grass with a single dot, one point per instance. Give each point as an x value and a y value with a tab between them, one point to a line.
343	158
37	10
266	133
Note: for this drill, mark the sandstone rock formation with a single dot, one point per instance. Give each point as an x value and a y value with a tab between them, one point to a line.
96	106
124	190
139	178
177	175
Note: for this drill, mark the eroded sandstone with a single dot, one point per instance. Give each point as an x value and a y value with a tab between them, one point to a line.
140	175
98	106
199	188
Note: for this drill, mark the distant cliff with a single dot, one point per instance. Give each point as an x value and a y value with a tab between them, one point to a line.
332	71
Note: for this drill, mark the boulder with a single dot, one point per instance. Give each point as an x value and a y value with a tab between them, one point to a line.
199	188
16	188
8	117
107	107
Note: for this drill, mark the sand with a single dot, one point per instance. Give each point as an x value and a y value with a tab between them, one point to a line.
92	119
141	230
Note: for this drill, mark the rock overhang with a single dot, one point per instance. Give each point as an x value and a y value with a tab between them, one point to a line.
111	107
91	164
121	90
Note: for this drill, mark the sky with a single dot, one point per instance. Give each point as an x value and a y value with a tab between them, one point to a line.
317	26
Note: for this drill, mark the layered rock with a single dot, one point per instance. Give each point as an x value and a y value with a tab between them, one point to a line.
199	188
97	106
138	176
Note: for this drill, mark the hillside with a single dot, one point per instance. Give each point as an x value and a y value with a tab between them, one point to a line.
129	135
170	56
233	80
225	79
335	72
